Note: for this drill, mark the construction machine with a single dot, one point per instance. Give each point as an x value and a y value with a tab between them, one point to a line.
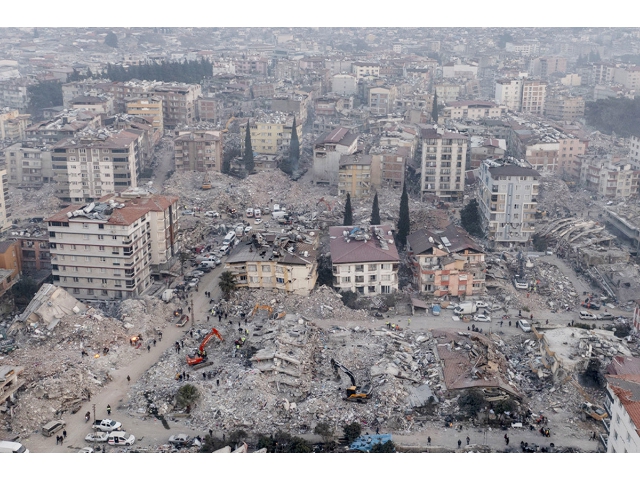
226	127
327	204
593	411
201	355
354	393
206	183
262	307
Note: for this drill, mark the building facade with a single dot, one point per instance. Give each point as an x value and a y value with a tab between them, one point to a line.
148	108
270	134
5	206
327	151
28	164
444	156
354	175
623	406
199	151
508	202
365	259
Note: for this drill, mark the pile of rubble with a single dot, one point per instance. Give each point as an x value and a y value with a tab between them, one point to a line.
27	203
70	358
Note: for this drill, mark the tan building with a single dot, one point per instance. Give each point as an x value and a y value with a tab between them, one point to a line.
354	175
446	263
382	100
565	107
100	105
28	165
13	125
10	267
208	109
327	151
199	151
270	133
35	255
178	103
5	206
534	94
148	108
388	168
365	69
473	110
106	250
447	92
87	168
276	261
365	259
444	155
609	177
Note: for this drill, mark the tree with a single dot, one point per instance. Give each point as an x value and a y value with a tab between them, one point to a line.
348	213
237	436
249	164
434	108
44	95
24	290
294	148
472	402
325	430
111	40
404	223
187	395
375	211
184	256
227	283
539	242
351	432
386	447
470	218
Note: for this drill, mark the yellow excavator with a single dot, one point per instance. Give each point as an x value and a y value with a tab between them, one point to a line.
206	183
226	127
261	307
354	393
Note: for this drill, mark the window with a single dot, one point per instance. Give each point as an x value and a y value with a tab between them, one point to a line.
359	278
254	279
372	289
252	268
101	248
372	278
385	278
266	268
385	289
373	268
346	279
104	281
76	279
280	280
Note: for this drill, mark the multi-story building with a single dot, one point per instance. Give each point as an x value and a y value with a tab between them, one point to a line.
5	206
534	93
9	265
279	261
634	152
28	164
564	107
106	250
327	151
13	125
609	177
365	259
509	93
508	202
444	155
13	94
623	407
545	66
270	133
382	100
89	167
35	255
447	92
296	104
446	263
99	104
199	151
365	69
149	108
354	175
472	109
388	167
178	103
209	109
344	84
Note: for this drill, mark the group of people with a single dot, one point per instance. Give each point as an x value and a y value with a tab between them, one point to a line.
60	438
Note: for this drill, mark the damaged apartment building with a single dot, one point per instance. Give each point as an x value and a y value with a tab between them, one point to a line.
365	259
448	263
109	249
281	261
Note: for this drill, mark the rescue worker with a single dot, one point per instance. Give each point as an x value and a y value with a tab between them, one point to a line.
108	409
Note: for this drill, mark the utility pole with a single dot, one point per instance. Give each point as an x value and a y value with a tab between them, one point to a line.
94	412
193	313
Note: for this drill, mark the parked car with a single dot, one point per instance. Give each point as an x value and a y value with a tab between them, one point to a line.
257	213
194	282
97	437
605	316
121	438
180	440
188	212
266	211
204	268
481	318
257	221
584	315
590	306
247	229
524	325
481	304
211	214
197	273
85	450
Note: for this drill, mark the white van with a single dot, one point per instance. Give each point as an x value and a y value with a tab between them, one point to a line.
278	214
249	212
257	213
229	239
12	447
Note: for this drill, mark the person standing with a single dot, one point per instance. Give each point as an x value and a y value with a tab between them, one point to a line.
409	322
429	440
64	434
128	378
459	443
468	439
108	409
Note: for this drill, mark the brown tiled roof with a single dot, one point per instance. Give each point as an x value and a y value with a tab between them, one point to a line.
627	389
624	366
360	251
4	245
459	239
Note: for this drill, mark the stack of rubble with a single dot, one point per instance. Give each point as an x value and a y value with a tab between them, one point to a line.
26	203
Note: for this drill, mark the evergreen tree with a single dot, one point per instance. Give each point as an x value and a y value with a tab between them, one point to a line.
111	40
294	148
434	108
470	218
348	214
375	212
404	223
249	164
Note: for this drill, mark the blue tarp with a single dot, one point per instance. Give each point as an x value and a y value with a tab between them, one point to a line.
365	443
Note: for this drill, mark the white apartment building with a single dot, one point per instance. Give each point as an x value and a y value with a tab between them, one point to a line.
87	168
327	151
147	108
509	93
106	250
472	109
634	152
623	407
382	100
5	207
508	202
344	84
365	259
443	162
365	69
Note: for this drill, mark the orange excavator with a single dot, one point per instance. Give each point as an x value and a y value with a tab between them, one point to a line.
201	354
327	204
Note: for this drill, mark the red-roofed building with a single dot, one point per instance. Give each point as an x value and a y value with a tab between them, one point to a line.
109	249
623	406
365	259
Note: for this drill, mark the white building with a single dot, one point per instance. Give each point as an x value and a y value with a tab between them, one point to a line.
623	406
108	250
508	202
327	151
344	84
509	92
5	208
534	94
365	69
365	259
443	162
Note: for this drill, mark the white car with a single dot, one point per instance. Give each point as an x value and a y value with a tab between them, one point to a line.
180	440
211	214
584	315
257	221
524	325
481	304
257	213
481	318
197	273
247	229
86	450
224	249
121	438
97	437
194	282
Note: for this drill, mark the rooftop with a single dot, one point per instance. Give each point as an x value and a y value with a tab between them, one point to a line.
352	244
452	239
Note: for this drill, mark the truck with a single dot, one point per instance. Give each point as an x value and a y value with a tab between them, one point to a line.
465	309
106	425
167	295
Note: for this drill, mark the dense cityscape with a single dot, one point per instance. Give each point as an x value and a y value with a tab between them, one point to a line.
407	240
